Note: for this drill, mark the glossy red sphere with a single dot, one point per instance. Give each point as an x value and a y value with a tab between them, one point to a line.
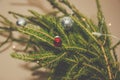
57	41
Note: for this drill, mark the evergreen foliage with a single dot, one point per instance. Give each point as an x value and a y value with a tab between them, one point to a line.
82	56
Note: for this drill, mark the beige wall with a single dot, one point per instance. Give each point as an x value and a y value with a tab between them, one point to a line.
12	69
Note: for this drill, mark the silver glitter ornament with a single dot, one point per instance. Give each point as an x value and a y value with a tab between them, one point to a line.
66	22
21	22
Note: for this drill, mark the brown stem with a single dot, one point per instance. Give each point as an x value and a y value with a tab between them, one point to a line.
107	63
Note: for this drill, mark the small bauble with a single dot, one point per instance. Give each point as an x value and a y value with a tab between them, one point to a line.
66	22
21	22
57	41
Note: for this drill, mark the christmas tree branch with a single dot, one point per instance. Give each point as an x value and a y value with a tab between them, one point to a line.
101	24
6	21
79	73
113	48
10	34
93	67
107	64
70	60
34	34
73	8
34	57
116	45
58	6
84	20
86	30
70	71
81	54
114	54
14	13
40	19
80	50
56	24
55	59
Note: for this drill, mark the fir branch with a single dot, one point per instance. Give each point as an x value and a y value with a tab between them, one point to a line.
14	13
39	17
73	8
86	30
31	27
93	67
58	6
116	45
93	27
8	38
8	25
34	34
86	58
70	60
22	57
83	41
33	57
80	50
68	75
76	58
62	31
79	73
35	13
88	23
6	29
102	25
2	22
57	59
6	21
114	55
29	41
86	48
53	21
107	64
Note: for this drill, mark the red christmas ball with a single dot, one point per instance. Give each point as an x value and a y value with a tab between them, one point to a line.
57	41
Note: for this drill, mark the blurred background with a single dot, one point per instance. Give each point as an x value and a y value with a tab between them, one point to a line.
13	69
